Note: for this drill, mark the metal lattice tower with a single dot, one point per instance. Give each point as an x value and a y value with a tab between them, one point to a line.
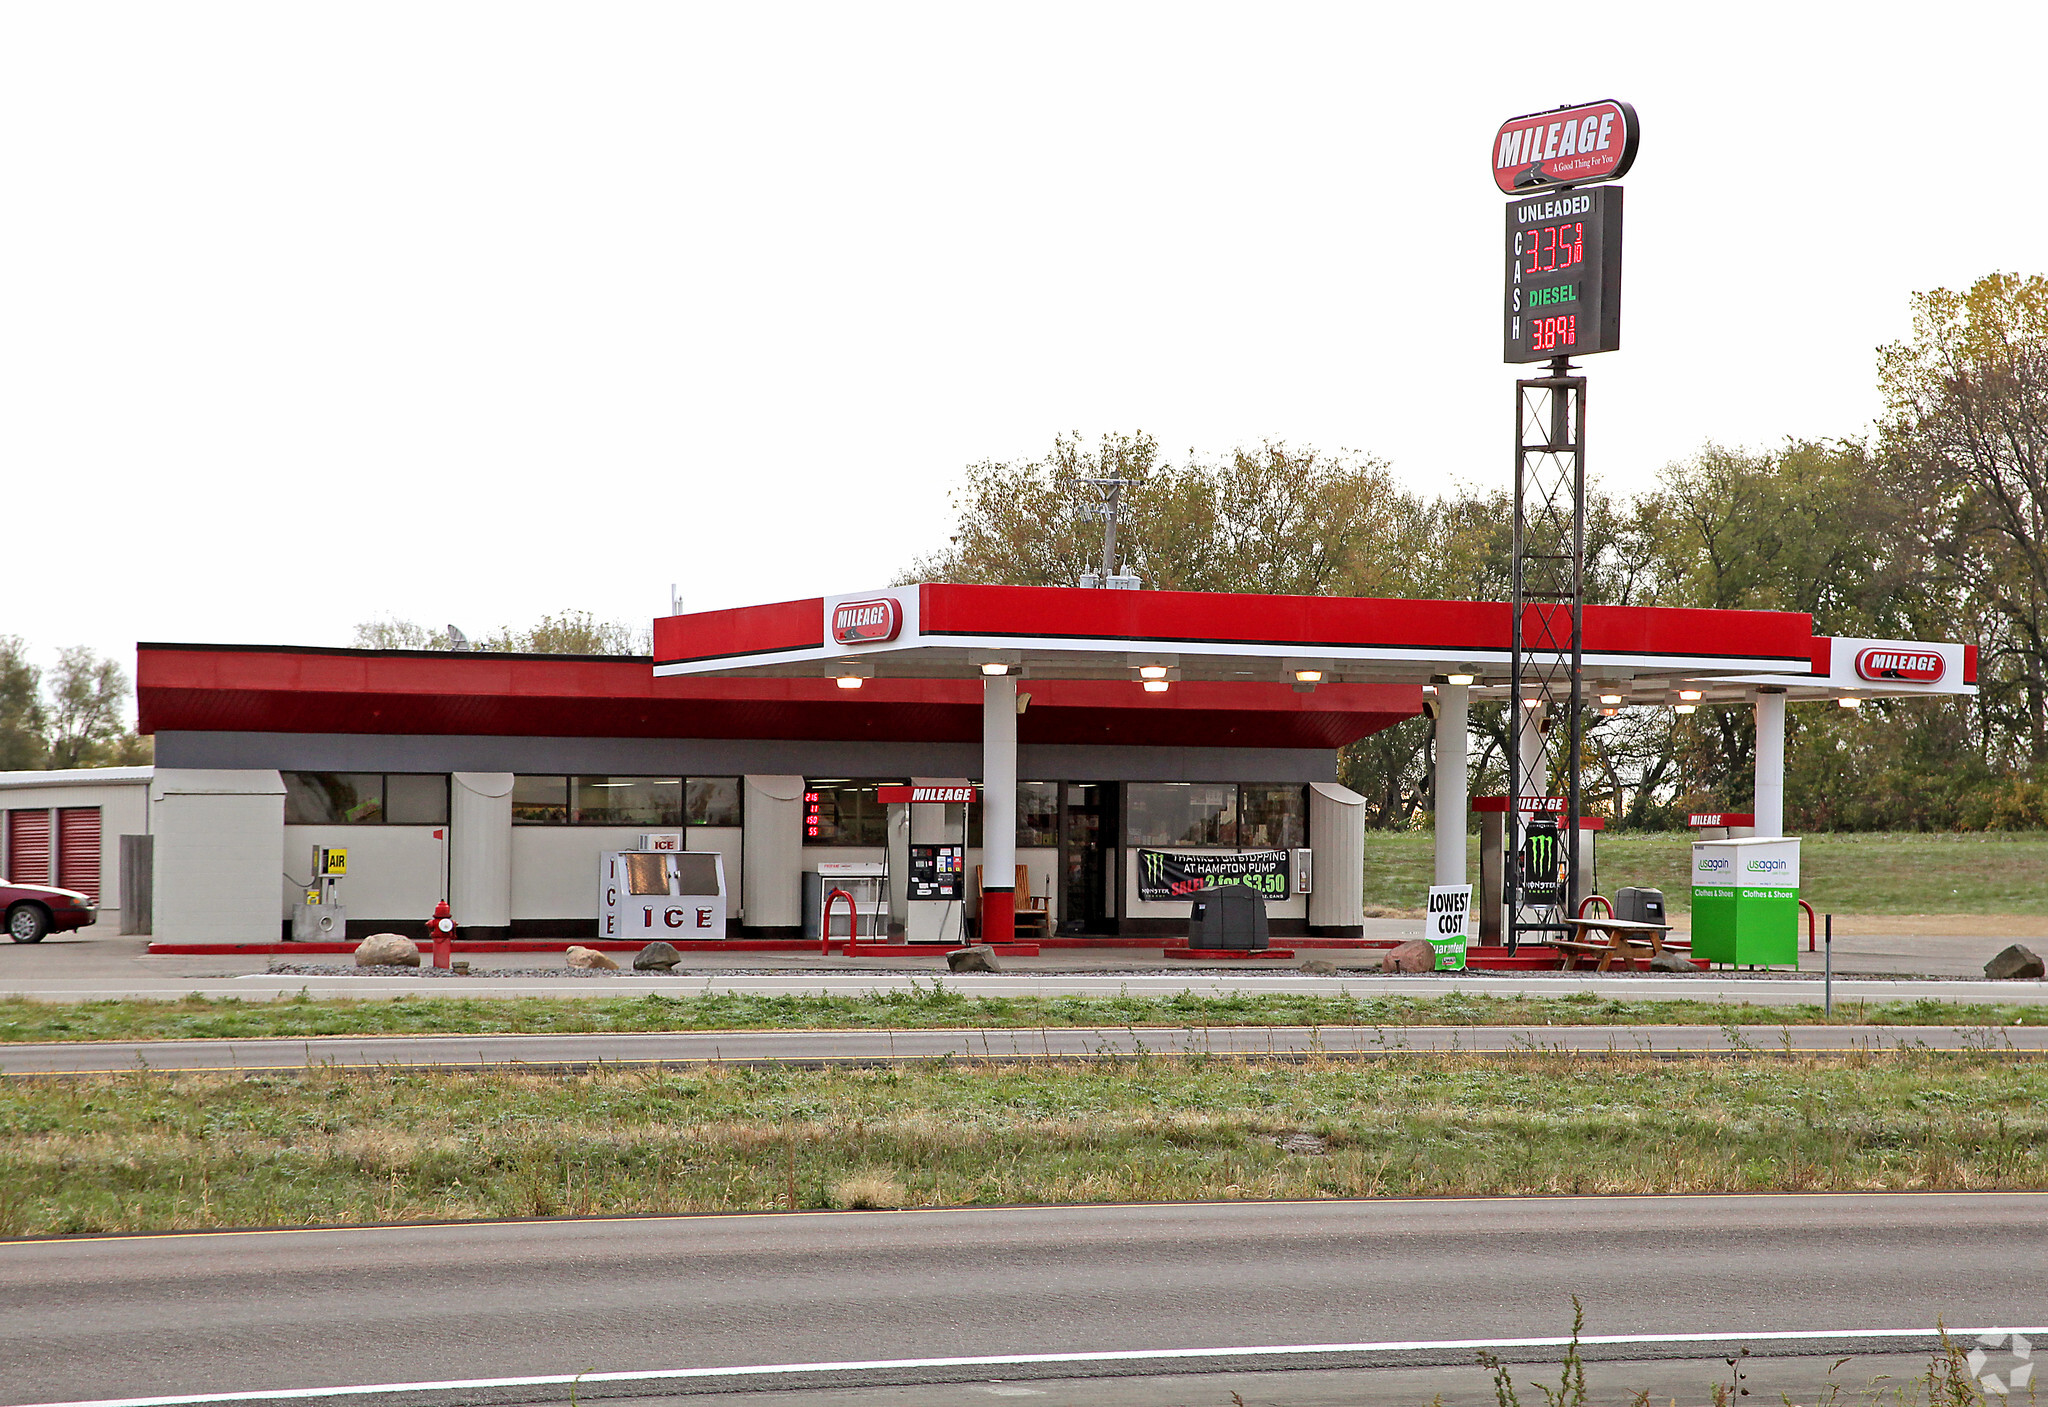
1546	654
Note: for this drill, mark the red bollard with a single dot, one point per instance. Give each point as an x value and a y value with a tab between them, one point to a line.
442	928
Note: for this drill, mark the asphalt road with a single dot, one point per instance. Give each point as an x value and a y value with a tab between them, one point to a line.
1357	1301
578	1051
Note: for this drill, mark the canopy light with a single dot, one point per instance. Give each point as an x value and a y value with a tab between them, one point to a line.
1686	708
1308	676
1609	712
1459	678
1429	688
1850	702
995	670
1152	671
1156	686
849	681
1691	695
1532	703
1610	698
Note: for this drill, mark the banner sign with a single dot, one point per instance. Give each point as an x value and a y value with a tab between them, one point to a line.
1449	927
924	796
1176	874
1573	146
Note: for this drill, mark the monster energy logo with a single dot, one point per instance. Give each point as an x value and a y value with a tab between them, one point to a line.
1542	863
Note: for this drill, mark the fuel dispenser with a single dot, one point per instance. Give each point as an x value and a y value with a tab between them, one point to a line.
1548	857
319	916
935	883
666	893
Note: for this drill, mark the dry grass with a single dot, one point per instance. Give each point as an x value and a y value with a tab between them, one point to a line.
869	1190
142	1152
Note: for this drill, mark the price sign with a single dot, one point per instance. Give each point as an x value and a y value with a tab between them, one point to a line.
1563	275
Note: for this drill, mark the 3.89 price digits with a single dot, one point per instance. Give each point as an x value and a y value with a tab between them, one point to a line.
1548	334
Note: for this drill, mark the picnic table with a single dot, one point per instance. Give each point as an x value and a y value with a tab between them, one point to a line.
1616	938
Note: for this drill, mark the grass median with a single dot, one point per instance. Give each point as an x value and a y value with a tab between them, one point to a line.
138	1152
936	1006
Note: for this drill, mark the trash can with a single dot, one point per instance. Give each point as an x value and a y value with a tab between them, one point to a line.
1637	905
1228	916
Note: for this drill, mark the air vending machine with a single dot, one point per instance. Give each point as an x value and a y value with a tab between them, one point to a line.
319	916
666	893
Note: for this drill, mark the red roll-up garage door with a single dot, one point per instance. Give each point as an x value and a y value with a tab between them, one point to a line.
78	850
28	847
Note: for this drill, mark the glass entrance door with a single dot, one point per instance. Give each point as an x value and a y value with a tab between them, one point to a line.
1088	851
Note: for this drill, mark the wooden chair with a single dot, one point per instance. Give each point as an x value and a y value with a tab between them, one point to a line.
1033	913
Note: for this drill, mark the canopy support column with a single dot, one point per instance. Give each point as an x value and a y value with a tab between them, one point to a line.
1770	762
1453	800
999	808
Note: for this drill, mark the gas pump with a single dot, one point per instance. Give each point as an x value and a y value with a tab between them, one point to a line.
319	916
935	889
1546	855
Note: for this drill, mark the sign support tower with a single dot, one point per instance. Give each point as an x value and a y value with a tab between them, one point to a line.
1546	652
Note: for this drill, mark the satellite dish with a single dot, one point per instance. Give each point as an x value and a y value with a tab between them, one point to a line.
456	639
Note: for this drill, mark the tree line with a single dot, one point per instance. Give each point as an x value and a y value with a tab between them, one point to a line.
76	715
1931	524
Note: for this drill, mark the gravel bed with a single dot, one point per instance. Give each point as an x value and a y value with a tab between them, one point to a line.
310	969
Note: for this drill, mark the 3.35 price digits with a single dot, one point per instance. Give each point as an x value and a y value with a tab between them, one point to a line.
1554	247
1550	334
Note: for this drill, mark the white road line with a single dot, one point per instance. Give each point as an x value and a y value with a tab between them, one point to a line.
1021	1360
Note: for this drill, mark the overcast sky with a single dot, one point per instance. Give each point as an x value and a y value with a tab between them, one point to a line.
466	313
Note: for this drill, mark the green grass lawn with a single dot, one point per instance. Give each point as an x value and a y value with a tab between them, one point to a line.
139	1152
1997	872
936	1006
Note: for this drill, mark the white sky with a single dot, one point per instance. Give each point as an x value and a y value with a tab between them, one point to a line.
472	312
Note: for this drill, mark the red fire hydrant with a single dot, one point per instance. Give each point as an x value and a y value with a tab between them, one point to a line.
442	928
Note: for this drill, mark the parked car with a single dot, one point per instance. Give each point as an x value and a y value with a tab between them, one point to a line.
34	910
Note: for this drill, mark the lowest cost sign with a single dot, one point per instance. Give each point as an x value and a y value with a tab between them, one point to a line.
1449	926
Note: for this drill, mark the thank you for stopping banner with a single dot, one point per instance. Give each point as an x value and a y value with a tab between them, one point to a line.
1176	874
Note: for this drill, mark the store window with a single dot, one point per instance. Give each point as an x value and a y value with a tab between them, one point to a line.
654	802
1272	817
712	801
845	811
1182	813
1038	814
365	798
626	801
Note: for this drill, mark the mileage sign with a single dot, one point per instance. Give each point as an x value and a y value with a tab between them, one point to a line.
1563	275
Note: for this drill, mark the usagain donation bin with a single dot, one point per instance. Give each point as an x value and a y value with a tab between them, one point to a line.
1745	901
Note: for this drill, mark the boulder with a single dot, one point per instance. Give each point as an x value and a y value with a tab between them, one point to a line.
2015	961
1673	962
1320	967
590	958
656	957
979	957
387	950
1415	955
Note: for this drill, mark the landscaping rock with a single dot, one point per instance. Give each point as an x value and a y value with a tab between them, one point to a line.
1412	956
387	950
591	958
978	958
1319	967
2015	961
1673	962
656	957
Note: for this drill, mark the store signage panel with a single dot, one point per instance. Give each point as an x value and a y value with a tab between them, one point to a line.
1709	820
867	622
1889	662
1563	287
1573	146
1177	874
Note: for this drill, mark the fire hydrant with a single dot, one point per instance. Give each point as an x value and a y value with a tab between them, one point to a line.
442	929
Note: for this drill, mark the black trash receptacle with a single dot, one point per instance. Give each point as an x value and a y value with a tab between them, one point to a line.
1228	916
